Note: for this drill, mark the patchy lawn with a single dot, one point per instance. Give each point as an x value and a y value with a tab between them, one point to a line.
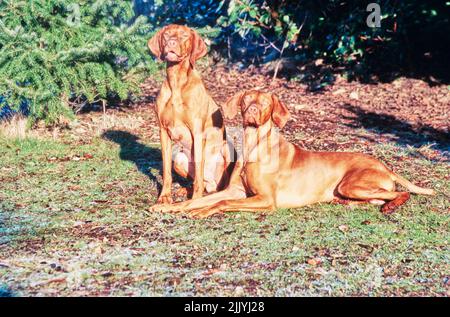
74	219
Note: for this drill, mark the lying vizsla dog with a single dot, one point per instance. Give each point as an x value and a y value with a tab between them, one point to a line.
188	116
277	174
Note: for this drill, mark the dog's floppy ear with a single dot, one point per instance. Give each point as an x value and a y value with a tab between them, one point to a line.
231	107
280	113
198	48
154	44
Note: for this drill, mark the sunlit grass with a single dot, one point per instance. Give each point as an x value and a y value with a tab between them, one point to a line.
74	221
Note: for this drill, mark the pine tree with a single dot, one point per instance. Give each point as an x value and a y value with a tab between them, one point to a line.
59	54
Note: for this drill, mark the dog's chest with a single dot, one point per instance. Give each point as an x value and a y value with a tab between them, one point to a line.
174	112
176	127
180	134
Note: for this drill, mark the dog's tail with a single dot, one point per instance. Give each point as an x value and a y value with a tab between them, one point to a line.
410	186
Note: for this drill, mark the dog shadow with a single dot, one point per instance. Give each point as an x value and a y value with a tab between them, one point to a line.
144	157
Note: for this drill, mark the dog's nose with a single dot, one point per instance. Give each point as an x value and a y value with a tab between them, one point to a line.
252	110
171	43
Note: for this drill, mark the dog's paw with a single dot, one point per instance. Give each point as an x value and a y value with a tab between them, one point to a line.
156	208
201	213
393	205
164	208
164	199
388	208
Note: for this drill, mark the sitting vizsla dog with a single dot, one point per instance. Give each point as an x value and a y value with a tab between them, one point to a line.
277	174
188	116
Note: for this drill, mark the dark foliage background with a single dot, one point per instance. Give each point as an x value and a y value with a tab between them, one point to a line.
412	40
308	40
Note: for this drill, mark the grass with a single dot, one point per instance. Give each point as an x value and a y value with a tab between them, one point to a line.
74	221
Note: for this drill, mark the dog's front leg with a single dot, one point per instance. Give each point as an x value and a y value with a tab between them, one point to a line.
165	196
199	159
255	203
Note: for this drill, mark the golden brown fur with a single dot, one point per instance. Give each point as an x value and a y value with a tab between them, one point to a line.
274	173
188	116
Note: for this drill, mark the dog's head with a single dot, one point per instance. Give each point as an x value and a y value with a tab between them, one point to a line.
257	108
174	43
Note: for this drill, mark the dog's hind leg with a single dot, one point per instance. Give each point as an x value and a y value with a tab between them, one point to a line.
372	186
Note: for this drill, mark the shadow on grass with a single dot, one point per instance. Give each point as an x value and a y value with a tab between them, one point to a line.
143	156
403	133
